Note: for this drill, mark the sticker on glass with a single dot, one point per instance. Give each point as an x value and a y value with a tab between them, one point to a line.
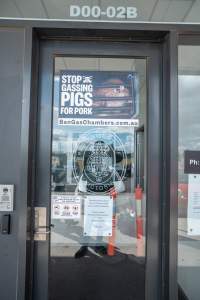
65	207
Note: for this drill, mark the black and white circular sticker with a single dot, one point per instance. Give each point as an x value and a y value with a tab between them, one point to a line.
99	160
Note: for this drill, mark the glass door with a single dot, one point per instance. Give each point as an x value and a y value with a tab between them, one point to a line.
96	147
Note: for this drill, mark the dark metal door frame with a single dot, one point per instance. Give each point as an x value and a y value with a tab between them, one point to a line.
154	54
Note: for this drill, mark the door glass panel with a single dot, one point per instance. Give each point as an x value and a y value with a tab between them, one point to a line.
98	179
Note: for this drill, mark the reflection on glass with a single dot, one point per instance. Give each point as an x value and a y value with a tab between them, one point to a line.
189	184
98	168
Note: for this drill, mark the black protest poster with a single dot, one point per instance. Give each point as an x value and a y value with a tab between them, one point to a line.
98	94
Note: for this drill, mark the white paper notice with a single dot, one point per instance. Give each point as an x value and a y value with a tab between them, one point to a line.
6	197
193	214
65	207
98	211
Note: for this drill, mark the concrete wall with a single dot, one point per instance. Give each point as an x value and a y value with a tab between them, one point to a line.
11	79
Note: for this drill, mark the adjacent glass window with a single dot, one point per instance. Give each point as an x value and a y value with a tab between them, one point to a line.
189	172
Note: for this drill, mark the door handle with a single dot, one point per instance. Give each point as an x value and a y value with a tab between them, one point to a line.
38	231
41	232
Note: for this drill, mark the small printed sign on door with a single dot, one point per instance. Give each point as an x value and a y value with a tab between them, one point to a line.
65	207
98	212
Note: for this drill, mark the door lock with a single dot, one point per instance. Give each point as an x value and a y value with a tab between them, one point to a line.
41	230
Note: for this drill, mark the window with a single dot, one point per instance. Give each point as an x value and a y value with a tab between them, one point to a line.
189	178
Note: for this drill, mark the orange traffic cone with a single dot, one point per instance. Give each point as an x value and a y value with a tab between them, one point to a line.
139	221
111	239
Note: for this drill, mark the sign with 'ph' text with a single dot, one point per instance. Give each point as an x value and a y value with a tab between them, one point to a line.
192	162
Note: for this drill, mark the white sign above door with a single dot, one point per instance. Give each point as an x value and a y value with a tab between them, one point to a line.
108	12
